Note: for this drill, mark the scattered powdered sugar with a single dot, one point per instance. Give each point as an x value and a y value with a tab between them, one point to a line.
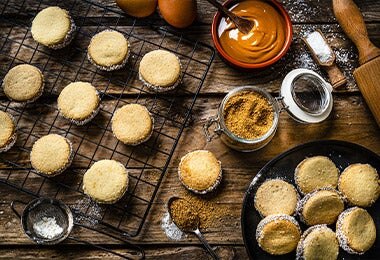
302	10
47	227
170	229
90	211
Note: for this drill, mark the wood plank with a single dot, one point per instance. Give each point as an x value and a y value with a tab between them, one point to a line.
169	253
221	78
300	11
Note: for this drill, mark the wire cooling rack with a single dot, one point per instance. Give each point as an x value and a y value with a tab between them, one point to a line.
147	163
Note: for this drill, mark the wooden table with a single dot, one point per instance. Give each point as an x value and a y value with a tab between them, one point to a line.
350	121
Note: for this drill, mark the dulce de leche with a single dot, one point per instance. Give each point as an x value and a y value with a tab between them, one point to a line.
263	42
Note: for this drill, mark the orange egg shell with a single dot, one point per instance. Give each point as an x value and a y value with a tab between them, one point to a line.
138	8
178	13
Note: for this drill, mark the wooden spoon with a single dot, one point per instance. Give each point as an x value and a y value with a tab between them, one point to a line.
242	24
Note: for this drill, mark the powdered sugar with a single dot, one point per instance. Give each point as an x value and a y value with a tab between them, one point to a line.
171	230
91	210
47	227
319	46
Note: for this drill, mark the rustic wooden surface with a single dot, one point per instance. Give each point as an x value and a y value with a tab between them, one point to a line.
350	121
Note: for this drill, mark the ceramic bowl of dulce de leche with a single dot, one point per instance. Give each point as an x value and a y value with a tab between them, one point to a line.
266	43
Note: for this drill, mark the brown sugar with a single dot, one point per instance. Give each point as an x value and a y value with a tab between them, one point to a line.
183	215
185	211
248	115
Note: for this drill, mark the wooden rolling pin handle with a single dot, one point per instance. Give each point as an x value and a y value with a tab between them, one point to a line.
351	20
337	78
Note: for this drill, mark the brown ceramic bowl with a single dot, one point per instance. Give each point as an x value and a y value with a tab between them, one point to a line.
249	66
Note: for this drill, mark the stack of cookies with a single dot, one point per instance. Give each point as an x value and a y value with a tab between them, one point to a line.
328	198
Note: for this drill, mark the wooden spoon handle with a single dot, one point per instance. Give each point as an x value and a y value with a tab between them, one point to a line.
351	20
337	78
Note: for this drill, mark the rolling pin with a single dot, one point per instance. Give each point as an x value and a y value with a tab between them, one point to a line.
368	74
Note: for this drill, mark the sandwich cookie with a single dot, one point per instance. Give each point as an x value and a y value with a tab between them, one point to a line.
318	242
200	171
132	124
53	27
322	206
106	181
315	173
278	234
160	70
356	230
51	154
79	102
276	197
360	184
23	83
108	50
7	131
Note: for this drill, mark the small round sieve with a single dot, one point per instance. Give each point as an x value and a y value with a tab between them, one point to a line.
39	210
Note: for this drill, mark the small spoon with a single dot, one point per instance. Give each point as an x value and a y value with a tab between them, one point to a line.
194	230
243	25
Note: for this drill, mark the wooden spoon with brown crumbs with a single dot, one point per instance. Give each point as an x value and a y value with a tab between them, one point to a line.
184	217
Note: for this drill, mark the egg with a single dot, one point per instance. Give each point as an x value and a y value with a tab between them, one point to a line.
138	8
178	13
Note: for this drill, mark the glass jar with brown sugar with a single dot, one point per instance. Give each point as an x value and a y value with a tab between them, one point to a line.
248	116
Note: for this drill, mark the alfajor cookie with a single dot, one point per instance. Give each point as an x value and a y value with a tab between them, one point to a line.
106	181
53	27
23	83
160	70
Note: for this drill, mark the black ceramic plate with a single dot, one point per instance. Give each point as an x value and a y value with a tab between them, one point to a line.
342	154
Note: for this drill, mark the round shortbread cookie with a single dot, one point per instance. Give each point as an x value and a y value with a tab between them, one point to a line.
132	124
108	50
276	197
322	206
360	184
318	242
79	102
160	70
356	230
278	234
106	181
200	171
23	83
53	27
51	154
7	131
315	173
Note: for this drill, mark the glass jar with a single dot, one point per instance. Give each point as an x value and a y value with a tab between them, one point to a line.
304	95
